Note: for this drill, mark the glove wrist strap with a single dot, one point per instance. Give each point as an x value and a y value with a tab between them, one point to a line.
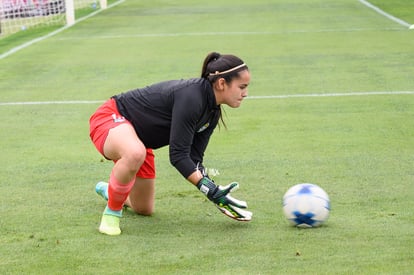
207	187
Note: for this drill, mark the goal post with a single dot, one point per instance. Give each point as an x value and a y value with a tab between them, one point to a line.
103	4
71	6
70	12
19	15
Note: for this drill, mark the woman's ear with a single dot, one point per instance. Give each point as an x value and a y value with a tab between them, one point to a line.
219	84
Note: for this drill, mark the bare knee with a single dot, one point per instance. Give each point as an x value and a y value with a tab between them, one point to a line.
133	159
144	211
142	196
142	205
141	208
123	145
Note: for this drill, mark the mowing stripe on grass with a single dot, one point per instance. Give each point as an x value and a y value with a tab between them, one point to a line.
383	13
366	3
250	97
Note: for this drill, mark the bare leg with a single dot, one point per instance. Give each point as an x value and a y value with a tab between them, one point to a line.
124	146
142	196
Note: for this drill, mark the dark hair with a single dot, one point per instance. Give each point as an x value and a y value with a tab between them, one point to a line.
215	66
225	66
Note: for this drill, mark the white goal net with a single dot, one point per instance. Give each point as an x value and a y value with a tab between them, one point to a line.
19	15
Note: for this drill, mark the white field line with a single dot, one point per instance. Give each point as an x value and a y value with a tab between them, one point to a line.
68	102
249	97
334	94
252	33
383	13
31	42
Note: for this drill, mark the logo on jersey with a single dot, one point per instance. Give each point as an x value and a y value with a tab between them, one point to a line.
205	126
118	119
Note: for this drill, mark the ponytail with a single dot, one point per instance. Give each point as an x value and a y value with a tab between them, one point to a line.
210	58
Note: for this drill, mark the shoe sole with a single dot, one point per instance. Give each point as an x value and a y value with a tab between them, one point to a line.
109	232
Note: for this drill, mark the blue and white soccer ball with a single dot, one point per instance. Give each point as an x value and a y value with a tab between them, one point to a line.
306	205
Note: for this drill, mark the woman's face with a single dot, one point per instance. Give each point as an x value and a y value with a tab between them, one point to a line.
234	92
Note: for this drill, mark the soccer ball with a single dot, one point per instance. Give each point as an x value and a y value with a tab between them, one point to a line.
306	205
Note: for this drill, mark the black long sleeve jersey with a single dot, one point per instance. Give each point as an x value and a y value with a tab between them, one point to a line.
178	113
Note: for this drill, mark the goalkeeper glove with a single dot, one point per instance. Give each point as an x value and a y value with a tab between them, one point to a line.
220	196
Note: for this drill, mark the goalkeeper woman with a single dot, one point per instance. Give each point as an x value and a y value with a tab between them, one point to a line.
178	113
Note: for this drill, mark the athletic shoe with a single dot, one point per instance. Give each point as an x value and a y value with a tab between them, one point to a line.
101	189
110	225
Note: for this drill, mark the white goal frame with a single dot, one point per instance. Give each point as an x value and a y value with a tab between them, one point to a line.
70	10
19	15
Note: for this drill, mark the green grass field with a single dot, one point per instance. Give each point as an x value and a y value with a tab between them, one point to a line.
334	72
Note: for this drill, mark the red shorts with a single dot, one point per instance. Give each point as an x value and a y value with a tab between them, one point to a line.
106	118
